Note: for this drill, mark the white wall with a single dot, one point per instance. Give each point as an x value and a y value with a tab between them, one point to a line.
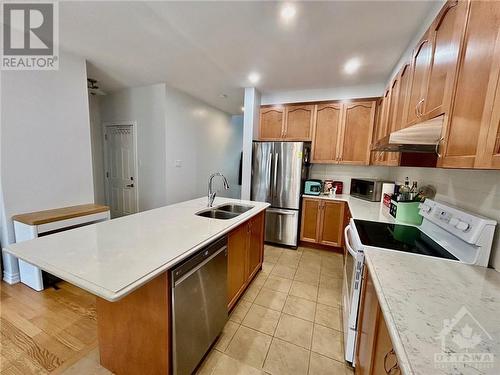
146	106
97	150
45	144
473	190
335	93
205	140
181	141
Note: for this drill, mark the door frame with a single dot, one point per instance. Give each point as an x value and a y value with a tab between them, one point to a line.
105	126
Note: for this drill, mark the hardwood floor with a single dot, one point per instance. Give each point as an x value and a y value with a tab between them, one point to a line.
45	332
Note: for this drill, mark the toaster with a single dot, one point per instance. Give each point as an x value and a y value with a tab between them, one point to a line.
312	187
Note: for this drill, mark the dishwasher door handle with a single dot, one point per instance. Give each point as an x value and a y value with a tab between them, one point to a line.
194	269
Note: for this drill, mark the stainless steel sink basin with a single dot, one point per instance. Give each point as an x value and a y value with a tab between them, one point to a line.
217	214
236	208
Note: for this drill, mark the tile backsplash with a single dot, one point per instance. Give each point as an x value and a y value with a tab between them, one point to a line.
473	190
344	173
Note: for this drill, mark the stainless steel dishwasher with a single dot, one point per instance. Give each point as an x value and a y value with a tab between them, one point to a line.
199	305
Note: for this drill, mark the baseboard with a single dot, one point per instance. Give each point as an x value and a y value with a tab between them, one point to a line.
311	245
11	278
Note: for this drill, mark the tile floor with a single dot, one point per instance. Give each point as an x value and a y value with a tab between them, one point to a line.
289	321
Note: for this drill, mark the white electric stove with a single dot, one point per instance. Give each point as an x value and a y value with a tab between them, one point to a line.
446	232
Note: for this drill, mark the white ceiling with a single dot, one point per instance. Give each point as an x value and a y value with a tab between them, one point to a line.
208	48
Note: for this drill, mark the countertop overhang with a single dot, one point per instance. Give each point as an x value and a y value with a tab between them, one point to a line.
112	258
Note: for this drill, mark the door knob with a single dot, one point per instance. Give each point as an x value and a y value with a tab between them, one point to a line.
131	185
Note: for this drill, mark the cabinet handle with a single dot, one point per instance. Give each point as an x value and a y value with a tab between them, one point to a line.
437	147
395	368
417	108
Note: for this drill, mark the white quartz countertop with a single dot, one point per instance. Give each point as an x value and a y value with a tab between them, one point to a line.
112	258
419	295
360	209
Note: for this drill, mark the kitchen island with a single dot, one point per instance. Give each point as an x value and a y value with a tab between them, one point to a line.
125	262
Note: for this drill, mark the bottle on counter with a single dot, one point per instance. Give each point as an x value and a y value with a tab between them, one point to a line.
413	191
404	191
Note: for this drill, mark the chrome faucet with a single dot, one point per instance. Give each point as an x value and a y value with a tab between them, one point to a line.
212	194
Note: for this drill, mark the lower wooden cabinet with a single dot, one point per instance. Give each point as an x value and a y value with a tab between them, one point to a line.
245	250
322	221
374	350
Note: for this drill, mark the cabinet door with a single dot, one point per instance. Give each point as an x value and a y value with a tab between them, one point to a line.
272	120
236	262
392	158
256	246
376	157
327	128
420	72
404	79
489	142
473	103
367	324
384	356
357	132
332	223
310	219
447	31
298	123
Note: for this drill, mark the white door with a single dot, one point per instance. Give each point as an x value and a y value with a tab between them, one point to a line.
121	174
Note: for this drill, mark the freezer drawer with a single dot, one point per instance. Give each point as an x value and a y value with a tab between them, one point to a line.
282	226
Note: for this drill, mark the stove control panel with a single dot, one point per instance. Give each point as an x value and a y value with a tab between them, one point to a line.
462	224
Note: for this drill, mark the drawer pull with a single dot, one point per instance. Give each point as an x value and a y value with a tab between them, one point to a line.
394	370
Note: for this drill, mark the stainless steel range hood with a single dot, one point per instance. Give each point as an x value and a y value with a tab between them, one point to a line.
422	137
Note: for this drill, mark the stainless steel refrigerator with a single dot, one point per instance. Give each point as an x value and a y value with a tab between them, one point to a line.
278	172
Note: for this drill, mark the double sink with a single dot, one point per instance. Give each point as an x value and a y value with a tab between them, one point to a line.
225	211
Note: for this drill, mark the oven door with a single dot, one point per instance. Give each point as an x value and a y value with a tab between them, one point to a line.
351	290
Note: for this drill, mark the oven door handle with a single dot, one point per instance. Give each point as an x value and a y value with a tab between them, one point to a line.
347	244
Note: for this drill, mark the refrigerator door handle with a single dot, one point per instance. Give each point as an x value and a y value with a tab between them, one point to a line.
269	161
280	212
276	155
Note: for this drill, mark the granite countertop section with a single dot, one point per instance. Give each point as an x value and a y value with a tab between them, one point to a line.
419	295
360	209
112	258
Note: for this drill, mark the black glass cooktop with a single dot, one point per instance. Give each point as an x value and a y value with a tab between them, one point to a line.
399	237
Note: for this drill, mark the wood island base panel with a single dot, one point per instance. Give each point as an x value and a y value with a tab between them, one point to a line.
134	332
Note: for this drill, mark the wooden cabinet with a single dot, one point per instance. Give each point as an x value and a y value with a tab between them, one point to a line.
245	249
404	83
357	132
332	223
290	123
420	65
322	221
298	122
272	122
326	133
446	34
343	133
471	131
374	350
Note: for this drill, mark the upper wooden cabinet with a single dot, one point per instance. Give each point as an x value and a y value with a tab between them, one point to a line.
471	129
421	62
357	132
342	132
404	83
272	120
446	34
287	122
298	122
327	129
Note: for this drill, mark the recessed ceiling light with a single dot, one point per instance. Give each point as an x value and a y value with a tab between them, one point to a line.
288	12
254	77
352	65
